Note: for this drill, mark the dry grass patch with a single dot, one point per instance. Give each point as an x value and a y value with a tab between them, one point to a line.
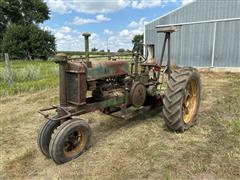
138	148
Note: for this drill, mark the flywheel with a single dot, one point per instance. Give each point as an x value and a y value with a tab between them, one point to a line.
138	94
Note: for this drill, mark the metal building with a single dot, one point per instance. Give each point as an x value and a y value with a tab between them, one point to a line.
208	34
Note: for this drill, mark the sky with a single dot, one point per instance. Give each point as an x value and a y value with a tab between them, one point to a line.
112	23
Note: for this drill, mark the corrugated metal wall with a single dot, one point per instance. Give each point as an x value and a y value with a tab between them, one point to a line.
192	45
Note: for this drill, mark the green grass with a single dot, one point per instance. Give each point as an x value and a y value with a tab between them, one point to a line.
28	76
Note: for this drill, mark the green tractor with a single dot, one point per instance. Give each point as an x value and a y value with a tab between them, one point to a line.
116	85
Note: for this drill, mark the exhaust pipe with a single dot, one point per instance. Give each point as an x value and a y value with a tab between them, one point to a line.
86	40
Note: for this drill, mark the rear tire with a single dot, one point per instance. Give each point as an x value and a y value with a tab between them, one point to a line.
44	136
182	99
69	141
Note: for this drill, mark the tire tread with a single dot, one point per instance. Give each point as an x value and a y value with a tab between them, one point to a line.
172	101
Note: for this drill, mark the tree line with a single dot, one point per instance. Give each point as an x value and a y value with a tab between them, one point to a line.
137	45
121	50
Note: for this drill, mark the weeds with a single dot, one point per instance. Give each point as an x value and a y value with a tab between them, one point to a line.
28	76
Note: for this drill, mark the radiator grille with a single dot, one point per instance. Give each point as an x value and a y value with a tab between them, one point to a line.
72	87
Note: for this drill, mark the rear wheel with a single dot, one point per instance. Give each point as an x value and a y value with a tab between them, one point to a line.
69	141
182	99
44	136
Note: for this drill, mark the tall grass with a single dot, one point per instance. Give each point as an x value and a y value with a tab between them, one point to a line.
28	76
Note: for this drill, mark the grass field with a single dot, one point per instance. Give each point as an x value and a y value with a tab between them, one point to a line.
139	148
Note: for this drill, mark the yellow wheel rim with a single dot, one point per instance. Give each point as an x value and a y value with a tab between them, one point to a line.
74	143
190	101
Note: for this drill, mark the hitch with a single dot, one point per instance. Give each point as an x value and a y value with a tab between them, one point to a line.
68	114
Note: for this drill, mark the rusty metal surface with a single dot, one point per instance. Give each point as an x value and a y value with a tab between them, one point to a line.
105	69
72	87
75	143
64	113
168	29
76	66
86	39
138	94
62	84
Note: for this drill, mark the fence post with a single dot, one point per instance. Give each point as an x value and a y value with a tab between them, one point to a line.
108	55
214	43
9	69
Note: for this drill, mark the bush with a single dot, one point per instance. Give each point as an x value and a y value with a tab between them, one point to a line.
28	42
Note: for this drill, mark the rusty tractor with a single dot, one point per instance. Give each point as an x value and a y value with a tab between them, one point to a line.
113	86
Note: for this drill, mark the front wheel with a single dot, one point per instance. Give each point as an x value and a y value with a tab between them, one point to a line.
182	99
69	141
44	136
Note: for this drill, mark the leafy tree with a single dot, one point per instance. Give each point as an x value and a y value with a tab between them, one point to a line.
20	35
15	40
121	50
28	42
3	22
24	11
138	43
9	12
94	50
41	42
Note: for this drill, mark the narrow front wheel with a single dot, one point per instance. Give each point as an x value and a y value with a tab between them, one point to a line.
44	136
69	141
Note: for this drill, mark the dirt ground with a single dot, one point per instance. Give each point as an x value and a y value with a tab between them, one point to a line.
139	148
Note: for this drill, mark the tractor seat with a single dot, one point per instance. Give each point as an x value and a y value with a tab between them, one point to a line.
149	64
170	29
154	64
